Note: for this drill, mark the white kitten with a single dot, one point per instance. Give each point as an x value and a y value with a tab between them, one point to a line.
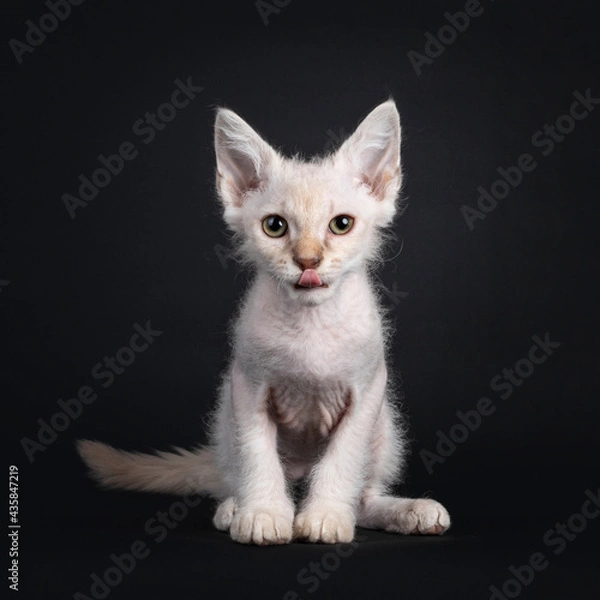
307	392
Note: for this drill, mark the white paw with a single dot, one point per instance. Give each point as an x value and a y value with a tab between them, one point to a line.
224	514
420	517
329	526
262	526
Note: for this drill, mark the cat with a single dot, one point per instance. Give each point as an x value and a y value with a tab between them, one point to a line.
306	396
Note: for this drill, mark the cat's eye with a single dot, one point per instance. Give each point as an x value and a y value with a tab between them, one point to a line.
341	224
274	226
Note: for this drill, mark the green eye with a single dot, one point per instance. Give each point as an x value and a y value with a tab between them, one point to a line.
341	224
274	226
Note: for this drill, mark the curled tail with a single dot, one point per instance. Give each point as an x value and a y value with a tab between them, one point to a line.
177	472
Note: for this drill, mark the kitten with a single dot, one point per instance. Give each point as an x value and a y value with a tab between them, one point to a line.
306	394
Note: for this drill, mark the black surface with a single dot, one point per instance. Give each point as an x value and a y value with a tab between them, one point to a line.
151	245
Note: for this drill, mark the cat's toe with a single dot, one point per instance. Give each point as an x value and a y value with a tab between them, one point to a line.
224	514
435	530
262	527
327	526
422	517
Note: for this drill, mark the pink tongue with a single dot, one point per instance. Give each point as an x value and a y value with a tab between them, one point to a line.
309	279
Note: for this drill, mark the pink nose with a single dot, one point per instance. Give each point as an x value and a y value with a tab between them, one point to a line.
307	263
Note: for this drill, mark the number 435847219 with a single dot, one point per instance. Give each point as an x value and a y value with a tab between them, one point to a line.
13	493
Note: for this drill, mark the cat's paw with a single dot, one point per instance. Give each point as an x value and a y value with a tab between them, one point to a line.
262	526
224	514
329	526
420	517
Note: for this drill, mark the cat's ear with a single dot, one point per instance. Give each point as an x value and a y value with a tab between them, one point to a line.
244	159
372	152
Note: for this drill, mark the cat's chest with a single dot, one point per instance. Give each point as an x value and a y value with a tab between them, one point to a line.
324	348
308	412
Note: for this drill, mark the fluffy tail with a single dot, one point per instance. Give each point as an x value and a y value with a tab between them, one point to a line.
178	472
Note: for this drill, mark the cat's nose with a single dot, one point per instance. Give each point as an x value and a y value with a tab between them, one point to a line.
307	263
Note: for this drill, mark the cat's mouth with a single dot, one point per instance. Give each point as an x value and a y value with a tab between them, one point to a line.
309	280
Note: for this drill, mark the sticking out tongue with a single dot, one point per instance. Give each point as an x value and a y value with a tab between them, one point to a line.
309	279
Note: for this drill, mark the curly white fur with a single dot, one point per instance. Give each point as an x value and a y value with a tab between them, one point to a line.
307	393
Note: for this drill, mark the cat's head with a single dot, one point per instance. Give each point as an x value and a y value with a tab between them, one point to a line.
309	224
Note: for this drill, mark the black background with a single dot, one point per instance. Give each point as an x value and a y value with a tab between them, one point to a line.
152	246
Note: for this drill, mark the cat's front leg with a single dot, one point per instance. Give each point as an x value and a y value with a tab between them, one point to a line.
264	513
329	512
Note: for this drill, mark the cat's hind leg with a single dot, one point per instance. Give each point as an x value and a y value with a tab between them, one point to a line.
224	514
378	509
420	516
